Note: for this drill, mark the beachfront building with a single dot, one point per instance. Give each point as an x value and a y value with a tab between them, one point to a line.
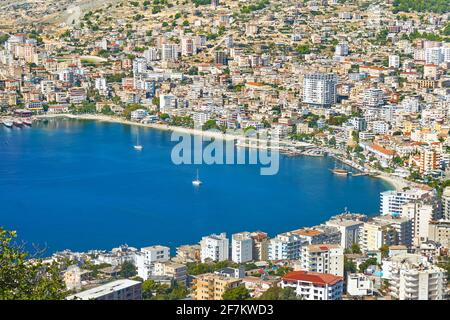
211	286
214	247
314	285
286	246
123	289
412	277
167	102
138	114
392	201
319	89
146	259
241	247
323	258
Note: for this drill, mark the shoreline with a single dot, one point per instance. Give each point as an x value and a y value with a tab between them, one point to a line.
394	182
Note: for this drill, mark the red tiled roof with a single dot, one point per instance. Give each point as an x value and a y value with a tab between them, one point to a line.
314	277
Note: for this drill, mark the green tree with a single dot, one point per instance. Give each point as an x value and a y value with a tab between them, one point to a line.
128	269
237	293
22	279
369	262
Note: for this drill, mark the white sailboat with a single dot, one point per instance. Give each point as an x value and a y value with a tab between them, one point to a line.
138	146
197	181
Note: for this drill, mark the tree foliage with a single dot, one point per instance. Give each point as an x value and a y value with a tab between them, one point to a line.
237	293
25	279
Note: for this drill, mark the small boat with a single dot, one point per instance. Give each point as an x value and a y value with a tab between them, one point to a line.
8	123
340	172
18	123
28	122
138	146
197	181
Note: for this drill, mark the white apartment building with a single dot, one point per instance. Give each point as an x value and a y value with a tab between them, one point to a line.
358	284
146	259
379	127
420	215
319	89
411	277
139	66
200	118
392	201
373	97
214	247
151	54
123	289
341	49
100	84
314	285
167	102
394	61
286	246
138	114
169	52
350	231
323	258
434	55
241	247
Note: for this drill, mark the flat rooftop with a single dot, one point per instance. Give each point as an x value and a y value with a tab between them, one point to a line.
103	290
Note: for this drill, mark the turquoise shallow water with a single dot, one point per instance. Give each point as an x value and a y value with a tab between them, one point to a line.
80	185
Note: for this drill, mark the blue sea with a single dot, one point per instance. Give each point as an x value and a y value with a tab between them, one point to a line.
80	185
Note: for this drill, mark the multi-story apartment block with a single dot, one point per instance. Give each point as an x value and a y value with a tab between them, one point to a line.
212	286
375	234
402	226
286	246
146	259
314	285
323	258
319	89
260	246
420	215
214	247
241	247
439	231
411	277
392	201
350	231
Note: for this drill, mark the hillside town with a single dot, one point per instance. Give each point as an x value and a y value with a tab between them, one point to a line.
366	82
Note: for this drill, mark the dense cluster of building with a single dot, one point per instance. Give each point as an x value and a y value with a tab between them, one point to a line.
367	84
